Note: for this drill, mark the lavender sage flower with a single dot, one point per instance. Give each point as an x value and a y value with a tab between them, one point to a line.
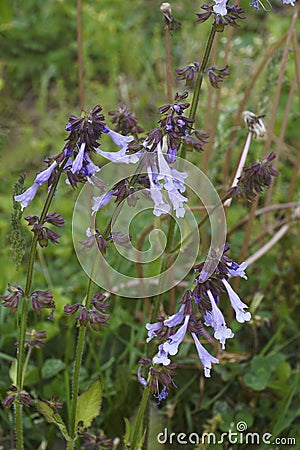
122	156
205	357
30	193
83	139
205	298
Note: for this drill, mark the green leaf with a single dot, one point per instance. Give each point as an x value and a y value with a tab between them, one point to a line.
53	417
52	367
127	432
89	404
13	372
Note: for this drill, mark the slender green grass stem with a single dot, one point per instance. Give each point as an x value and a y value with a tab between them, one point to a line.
24	313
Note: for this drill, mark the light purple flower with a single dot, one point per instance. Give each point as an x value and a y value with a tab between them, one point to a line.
171	155
161	357
175	319
78	161
141	379
27	196
177	201
102	200
289	2
215	319
90	167
173	342
152	329
121	156
160	206
236	270
220	7
173	181
118	139
237	304
206	358
44	176
40	179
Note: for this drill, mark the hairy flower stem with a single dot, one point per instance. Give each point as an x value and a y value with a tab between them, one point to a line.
196	95
80	55
168	65
24	312
203	66
77	366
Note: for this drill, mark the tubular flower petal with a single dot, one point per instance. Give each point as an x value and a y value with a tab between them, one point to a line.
175	319
161	357
44	176
101	201
215	319
220	7
78	161
152	329
206	358
237	304
173	342
27	196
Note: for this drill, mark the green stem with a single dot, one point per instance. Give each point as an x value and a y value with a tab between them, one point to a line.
76	372
19	425
204	62
139	418
196	95
24	313
144	402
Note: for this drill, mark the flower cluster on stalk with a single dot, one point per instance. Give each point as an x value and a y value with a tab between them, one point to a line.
39	299
223	14
96	316
254	179
199	310
83	140
35	339
45	234
14	393
157	154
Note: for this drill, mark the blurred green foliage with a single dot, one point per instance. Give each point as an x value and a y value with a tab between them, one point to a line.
258	378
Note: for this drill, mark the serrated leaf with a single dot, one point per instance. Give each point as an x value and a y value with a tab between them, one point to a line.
53	417
89	404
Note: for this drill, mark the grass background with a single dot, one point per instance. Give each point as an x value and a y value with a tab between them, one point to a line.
258	378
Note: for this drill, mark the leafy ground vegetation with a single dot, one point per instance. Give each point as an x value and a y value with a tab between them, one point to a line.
69	383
